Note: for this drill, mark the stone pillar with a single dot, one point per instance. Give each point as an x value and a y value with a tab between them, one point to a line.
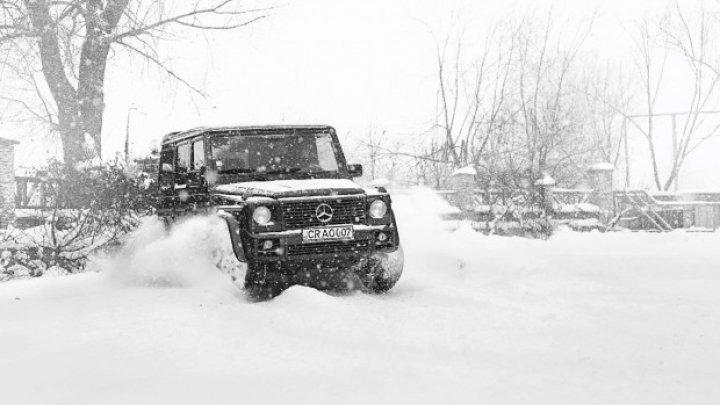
462	181
7	182
545	186
600	177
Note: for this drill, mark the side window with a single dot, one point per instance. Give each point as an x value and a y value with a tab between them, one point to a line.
182	163
198	155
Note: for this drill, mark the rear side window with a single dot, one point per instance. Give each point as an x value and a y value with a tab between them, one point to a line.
182	162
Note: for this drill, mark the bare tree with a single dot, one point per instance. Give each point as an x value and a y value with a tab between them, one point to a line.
608	96
510	107
449	75
474	80
373	143
70	43
651	69
692	38
547	129
696	41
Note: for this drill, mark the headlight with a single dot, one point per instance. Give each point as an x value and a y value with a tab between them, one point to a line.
378	209
262	215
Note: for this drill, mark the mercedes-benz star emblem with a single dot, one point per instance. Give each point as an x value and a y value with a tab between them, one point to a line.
324	213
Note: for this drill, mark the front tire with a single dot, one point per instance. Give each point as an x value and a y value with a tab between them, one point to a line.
259	286
382	271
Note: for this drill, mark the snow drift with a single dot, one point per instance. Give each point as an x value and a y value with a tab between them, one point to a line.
619	318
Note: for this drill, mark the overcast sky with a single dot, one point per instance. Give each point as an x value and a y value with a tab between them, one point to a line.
350	63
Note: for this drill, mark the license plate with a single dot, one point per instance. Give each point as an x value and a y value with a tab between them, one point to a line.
326	233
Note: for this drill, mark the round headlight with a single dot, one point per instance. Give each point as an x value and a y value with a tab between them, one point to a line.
261	215
378	209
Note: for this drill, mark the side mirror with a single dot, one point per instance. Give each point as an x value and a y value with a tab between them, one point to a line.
355	170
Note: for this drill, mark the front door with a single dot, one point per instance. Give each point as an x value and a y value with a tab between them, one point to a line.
190	185
166	194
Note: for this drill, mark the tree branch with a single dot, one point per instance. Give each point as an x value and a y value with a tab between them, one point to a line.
154	60
215	10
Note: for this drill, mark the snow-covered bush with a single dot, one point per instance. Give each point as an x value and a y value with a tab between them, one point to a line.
93	208
513	211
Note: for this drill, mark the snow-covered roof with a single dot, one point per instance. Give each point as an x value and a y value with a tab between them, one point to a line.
545	181
465	170
8	141
579	207
179	135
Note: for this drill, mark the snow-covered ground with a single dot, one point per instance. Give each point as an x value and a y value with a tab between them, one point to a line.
621	318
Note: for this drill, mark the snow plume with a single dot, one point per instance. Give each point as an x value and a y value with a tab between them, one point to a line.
188	255
450	253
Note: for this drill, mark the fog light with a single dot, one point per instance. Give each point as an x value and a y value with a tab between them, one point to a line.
382	237
267	245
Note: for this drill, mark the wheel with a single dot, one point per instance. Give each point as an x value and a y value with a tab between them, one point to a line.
260	285
382	271
255	275
167	223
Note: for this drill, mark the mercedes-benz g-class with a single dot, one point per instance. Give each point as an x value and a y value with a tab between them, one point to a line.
293	213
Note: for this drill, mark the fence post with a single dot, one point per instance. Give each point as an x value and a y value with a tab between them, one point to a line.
7	182
600	177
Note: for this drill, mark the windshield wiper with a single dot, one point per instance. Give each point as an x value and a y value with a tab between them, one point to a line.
283	170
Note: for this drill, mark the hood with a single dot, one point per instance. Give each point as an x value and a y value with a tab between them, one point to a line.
291	188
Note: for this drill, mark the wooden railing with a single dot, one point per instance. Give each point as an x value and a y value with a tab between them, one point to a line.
633	208
667	211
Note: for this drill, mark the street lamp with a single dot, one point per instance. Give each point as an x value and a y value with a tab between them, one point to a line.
127	135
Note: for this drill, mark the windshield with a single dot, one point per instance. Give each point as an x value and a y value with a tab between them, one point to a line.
257	156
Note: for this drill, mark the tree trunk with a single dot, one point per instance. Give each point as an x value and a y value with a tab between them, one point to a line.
63	92
71	134
91	97
80	108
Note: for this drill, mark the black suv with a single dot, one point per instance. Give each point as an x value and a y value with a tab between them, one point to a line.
293	213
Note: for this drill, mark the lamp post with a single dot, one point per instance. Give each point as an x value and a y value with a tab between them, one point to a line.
127	135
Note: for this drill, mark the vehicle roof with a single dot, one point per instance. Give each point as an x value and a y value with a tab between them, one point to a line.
190	133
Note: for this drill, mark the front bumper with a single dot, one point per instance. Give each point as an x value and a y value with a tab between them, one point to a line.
289	245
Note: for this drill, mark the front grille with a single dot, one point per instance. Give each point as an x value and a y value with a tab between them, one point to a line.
336	247
301	214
